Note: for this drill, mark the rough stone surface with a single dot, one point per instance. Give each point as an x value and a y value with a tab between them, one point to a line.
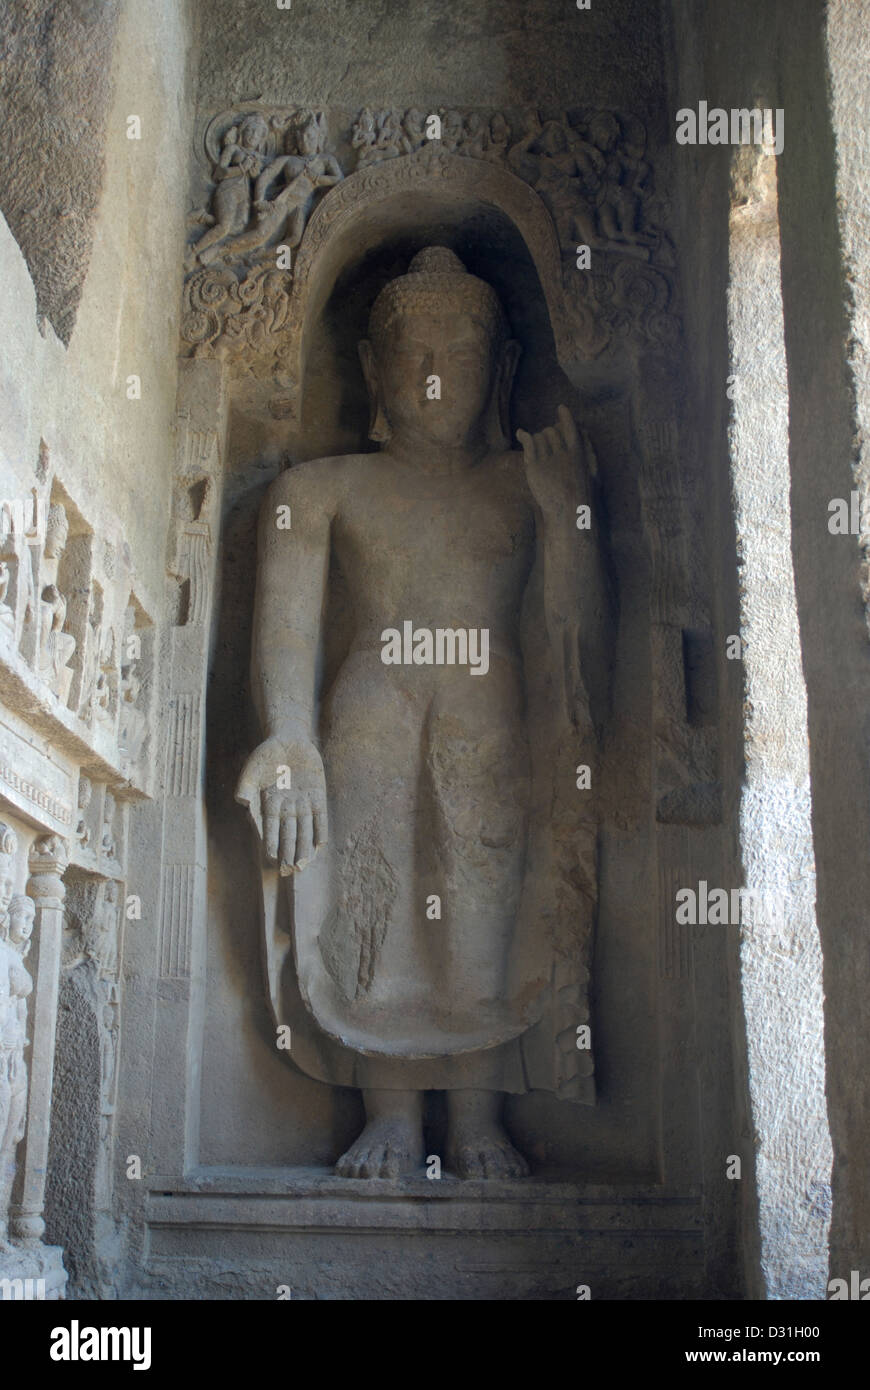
427	54
781	962
55	94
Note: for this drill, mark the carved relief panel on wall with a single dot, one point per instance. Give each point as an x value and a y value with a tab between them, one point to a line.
73	630
276	170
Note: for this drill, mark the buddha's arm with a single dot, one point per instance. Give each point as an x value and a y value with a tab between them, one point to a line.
282	782
291	585
578	602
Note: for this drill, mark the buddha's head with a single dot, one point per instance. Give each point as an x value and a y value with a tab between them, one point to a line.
439	322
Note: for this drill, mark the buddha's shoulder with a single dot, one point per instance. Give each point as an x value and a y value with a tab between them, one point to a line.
323	478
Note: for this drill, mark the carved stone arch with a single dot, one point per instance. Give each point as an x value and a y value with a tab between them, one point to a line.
408	194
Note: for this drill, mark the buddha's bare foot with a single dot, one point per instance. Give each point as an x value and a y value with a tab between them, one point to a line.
392	1142
477	1143
489	1155
387	1148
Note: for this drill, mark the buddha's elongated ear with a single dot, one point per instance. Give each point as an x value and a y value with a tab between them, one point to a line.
498	424
379	426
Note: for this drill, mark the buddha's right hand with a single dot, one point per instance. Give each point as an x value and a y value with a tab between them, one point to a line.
284	788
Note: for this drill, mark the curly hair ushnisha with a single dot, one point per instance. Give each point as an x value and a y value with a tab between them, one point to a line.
436	280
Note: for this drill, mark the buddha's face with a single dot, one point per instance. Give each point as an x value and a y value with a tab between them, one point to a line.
455	348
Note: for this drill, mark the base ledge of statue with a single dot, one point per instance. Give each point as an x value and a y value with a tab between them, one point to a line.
237	1233
32	1273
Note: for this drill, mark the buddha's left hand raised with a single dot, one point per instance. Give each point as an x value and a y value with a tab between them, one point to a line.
557	465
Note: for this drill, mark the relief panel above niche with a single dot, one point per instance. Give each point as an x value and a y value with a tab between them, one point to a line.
278	185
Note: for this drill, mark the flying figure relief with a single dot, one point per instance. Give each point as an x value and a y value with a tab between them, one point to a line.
250	215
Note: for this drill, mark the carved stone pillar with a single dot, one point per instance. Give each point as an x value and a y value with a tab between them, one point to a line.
47	862
177	827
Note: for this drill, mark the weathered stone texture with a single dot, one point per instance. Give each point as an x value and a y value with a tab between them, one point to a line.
55	93
428	52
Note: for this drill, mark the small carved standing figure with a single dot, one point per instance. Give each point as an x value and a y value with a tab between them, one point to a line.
364	137
83	834
452	132
499	139
241	161
7	617
16	925
625	182
284	216
56	647
390	136
414	126
564	176
475	139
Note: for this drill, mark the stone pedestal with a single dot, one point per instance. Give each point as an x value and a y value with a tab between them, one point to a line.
248	1234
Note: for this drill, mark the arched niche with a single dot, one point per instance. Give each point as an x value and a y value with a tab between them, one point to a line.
365	232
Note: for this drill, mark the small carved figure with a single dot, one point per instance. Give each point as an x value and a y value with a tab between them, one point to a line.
22	911
108	1050
107	837
475	136
132	726
109	1030
241	161
283	217
564	175
7	617
452	131
364	138
16	925
56	647
101	931
625	182
499	139
106	683
390	141
83	834
414	126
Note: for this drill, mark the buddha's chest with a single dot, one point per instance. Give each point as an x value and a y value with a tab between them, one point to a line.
430	535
